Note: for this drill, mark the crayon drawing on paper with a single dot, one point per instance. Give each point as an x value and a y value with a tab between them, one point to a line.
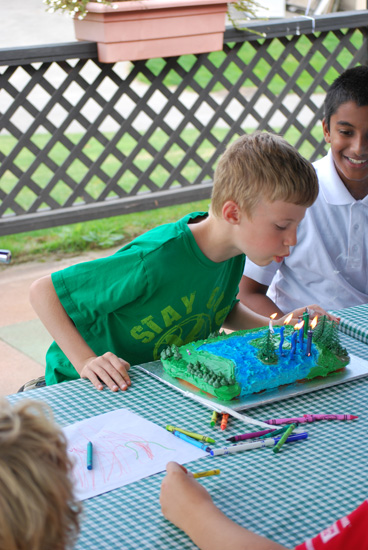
126	448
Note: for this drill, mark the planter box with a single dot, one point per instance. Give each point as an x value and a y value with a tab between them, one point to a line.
144	29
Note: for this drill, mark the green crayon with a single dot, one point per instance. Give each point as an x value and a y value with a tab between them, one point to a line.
214	418
283	438
194	435
274	432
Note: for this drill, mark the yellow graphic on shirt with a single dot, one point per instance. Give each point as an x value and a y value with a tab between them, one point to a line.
199	327
177	326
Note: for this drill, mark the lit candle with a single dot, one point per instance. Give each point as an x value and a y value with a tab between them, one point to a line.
310	335
270	323
306	321
282	329
293	343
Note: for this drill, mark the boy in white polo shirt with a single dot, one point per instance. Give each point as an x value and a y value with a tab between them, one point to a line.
328	265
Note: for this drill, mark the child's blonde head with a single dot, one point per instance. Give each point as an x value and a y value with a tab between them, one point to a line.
262	166
37	509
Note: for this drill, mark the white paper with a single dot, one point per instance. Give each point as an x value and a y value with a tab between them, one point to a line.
126	448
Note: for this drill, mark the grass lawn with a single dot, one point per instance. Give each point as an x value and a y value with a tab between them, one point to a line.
67	240
276	50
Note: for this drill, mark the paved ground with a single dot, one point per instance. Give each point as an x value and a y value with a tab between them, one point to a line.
26	23
23	338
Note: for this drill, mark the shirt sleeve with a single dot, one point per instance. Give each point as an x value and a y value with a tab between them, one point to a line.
262	275
348	532
94	288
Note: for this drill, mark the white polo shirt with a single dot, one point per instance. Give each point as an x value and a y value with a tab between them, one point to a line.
328	266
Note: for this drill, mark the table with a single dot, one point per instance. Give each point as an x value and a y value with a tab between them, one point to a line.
354	322
287	497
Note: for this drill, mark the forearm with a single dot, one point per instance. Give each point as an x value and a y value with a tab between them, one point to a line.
212	530
254	295
243	318
188	505
48	307
262	304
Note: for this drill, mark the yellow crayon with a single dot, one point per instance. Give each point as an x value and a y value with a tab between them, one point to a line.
194	435
207	473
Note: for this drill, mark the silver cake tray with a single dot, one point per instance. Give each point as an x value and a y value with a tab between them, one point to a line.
357	368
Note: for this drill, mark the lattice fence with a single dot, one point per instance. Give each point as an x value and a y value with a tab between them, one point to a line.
82	140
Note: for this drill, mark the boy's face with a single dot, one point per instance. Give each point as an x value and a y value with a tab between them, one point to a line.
270	231
348	136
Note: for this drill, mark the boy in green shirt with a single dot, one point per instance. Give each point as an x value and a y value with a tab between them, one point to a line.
177	283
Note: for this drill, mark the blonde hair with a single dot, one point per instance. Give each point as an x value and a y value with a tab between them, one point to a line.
37	508
262	165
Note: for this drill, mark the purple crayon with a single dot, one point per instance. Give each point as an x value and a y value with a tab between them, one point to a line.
250	435
313	417
277	421
310	418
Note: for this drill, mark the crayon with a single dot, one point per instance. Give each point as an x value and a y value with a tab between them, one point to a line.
256	444
194	435
283	438
310	418
214	418
251	435
313	417
276	432
207	473
89	455
194	442
224	420
224	409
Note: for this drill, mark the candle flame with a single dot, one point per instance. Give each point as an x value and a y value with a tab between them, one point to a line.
298	326
288	319
314	322
273	315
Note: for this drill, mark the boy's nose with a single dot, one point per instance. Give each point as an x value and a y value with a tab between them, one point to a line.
290	239
360	145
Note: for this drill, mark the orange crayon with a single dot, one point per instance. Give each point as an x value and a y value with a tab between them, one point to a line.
224	421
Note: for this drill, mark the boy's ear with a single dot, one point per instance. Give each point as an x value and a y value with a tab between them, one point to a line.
326	131
231	212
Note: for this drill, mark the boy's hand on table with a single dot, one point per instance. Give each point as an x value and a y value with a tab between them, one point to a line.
313	310
189	506
107	369
182	496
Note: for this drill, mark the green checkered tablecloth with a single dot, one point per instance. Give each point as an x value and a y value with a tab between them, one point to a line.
287	497
354	321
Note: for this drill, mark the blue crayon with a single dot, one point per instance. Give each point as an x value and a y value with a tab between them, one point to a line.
195	442
89	455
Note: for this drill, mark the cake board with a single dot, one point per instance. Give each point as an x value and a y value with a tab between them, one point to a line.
357	368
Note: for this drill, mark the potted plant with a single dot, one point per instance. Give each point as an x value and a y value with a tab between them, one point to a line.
128	30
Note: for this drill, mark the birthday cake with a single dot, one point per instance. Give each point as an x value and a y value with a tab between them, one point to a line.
250	361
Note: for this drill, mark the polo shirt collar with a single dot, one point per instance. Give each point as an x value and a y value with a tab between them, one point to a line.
334	190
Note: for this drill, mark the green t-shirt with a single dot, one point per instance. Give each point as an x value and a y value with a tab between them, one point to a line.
158	290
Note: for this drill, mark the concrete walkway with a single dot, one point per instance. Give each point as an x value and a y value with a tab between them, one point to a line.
23	338
27	23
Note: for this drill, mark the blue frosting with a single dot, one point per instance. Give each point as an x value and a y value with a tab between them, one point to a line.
252	374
